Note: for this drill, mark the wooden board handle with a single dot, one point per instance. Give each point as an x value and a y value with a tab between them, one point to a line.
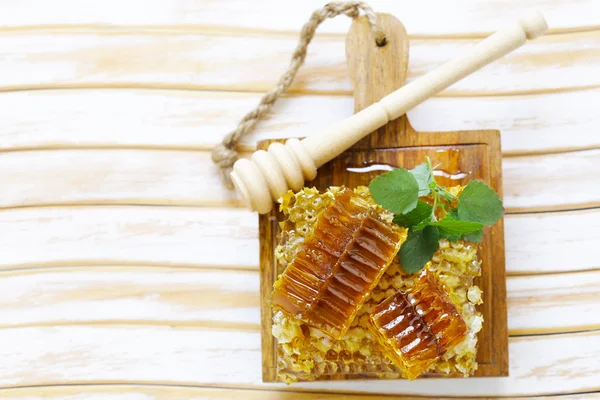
269	174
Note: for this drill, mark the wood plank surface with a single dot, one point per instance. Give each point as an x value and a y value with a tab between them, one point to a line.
218	298
224	61
130	295
542	182
429	17
158	392
542	304
67	355
204	236
108	118
164	236
531	241
96	176
152	293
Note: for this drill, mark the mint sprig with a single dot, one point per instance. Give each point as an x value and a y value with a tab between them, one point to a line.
421	212
423	174
463	217
396	190
450	225
474	237
479	203
418	248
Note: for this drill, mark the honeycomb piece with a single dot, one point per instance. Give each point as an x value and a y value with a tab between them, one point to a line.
431	301
418	326
305	353
298	287
339	264
311	354
353	277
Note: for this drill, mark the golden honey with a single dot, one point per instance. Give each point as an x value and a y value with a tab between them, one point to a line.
306	353
338	265
417	326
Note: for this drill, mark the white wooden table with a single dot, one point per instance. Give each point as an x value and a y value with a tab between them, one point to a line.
128	268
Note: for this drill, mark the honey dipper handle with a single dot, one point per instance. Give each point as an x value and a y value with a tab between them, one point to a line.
326	145
269	174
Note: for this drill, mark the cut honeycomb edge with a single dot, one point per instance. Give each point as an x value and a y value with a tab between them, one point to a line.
305	354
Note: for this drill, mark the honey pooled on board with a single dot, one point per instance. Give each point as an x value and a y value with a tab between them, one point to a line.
418	326
338	265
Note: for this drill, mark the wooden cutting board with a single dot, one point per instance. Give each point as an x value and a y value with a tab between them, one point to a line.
463	155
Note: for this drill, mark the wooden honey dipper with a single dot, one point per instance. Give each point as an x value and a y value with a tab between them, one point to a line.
267	175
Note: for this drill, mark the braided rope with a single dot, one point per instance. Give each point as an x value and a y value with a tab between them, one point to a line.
224	154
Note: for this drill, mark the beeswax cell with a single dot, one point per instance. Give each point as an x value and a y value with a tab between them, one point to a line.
297	288
305	353
338	265
417	326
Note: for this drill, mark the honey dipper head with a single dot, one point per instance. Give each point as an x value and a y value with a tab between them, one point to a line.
251	186
267	175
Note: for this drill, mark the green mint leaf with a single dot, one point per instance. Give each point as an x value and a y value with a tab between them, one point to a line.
479	203
421	225
424	177
474	237
421	212
418	249
446	194
453	238
396	191
450	226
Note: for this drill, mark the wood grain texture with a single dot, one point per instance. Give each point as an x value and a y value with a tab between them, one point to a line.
130	295
573	297
190	178
531	241
163	236
197	120
470	18
115	293
69	355
241	62
157	392
201	237
376	72
229	299
95	176
523	178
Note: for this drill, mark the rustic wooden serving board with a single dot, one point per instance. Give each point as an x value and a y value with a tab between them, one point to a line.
463	155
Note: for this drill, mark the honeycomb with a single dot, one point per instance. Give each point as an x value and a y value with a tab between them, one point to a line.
305	353
418	325
338	265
